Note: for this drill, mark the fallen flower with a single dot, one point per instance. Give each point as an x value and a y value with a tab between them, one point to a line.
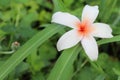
83	31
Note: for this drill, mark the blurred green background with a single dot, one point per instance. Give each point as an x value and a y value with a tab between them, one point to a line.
22	19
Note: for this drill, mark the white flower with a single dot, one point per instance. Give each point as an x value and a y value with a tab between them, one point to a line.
84	30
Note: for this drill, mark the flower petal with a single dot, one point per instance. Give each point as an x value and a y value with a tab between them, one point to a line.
102	30
90	13
65	19
69	39
90	46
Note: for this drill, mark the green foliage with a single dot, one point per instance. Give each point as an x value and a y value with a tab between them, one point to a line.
25	50
64	66
28	22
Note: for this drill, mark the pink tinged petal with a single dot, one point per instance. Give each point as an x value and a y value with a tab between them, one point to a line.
69	39
90	46
102	30
65	19
90	13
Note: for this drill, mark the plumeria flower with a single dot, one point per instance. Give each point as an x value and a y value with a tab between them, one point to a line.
84	30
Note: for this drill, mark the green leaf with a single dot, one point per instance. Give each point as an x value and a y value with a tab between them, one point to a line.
109	40
21	1
38	76
47	51
59	5
87	73
64	64
36	64
116	71
105	16
2	33
100	77
118	77
26	49
4	3
68	3
21	68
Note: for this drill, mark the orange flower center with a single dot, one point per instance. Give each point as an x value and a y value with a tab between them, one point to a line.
84	28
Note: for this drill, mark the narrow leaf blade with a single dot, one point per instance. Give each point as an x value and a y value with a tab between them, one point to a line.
63	65
109	40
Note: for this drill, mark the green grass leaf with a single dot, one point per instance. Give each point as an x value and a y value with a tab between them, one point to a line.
109	40
26	49
64	64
